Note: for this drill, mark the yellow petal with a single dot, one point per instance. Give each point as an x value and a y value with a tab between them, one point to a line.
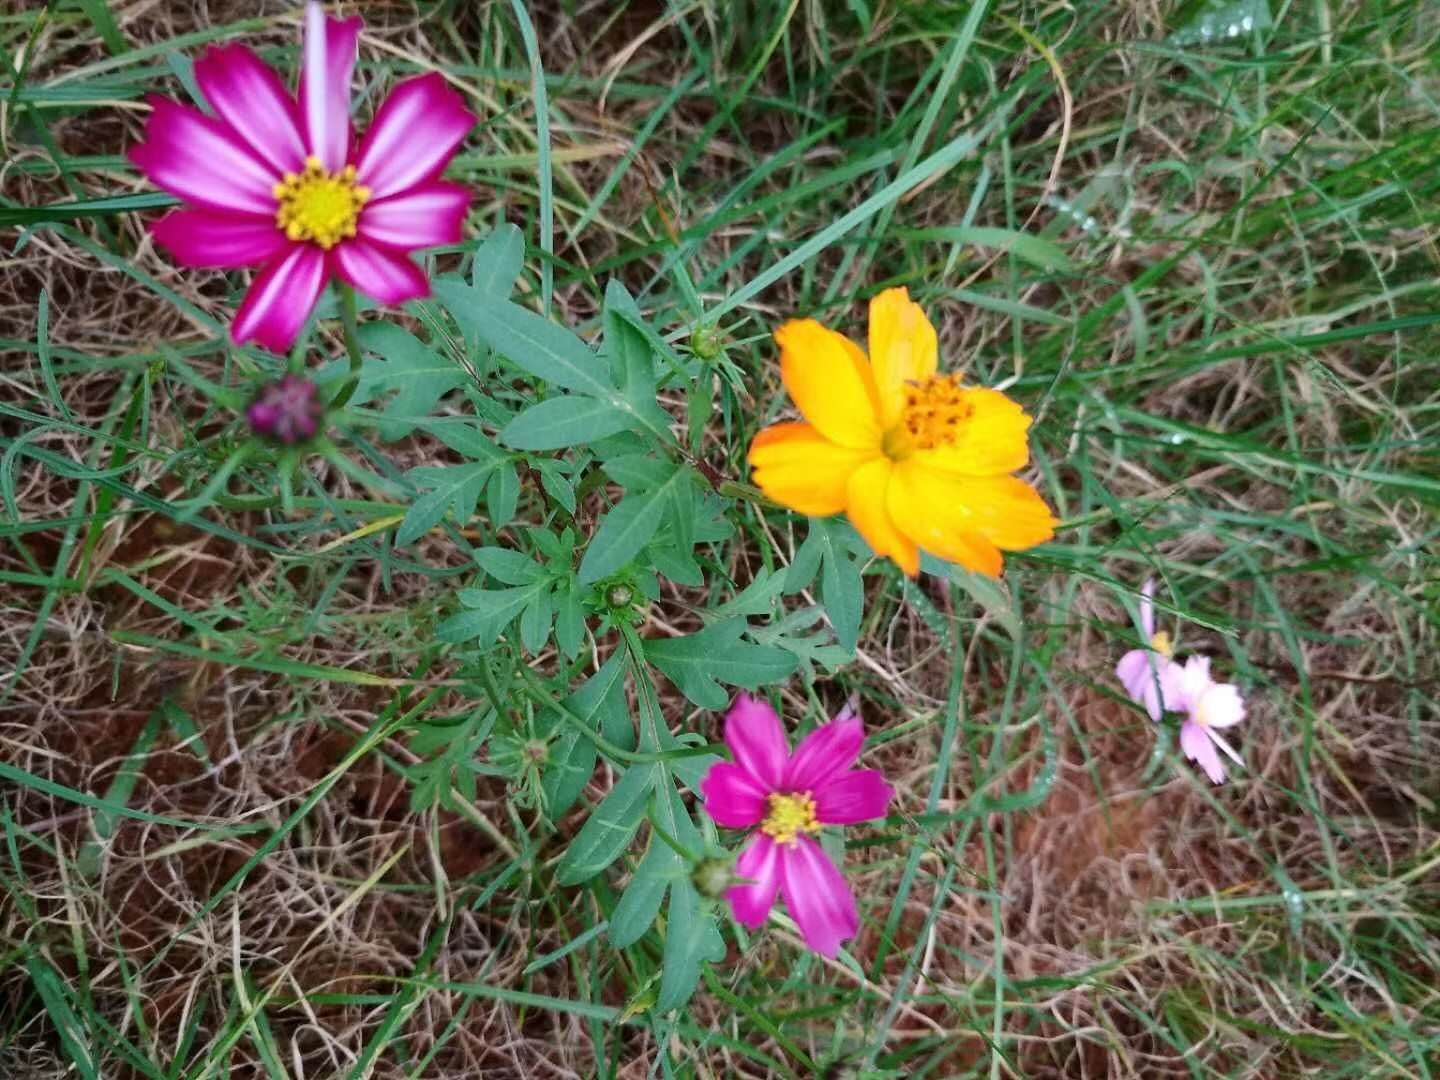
992	440
903	349
829	380
965	519
869	512
798	467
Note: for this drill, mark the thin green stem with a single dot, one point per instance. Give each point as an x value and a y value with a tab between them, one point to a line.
349	325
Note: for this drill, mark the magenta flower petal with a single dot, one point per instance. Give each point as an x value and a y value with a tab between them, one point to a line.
201	160
251	99
224	241
757	739
331	46
1198	748
422	217
385	275
853	798
414	135
759	863
818	896
826	753
281	299
733	797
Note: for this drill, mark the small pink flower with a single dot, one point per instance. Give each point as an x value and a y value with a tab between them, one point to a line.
282	185
288	411
1207	705
1145	672
1155	679
790	797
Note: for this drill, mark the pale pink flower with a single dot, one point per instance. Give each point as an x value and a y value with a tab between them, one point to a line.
1145	672
1207	705
788	798
283	185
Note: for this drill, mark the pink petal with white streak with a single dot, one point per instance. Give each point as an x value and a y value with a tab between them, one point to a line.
422	217
249	97
759	864
1147	609
379	273
281	299
818	896
226	242
331	47
201	160
414	135
1195	741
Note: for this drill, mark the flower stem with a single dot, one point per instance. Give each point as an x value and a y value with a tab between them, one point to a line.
346	296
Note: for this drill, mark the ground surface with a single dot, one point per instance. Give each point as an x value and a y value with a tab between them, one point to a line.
1235	381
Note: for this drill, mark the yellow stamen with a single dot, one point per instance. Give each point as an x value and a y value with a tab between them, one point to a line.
790	815
318	205
935	411
1161	644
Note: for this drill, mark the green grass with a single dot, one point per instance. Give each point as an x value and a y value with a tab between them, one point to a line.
256	816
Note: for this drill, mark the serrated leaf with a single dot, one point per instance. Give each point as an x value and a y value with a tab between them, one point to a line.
564	421
609	829
491	610
451	488
691	938
698	663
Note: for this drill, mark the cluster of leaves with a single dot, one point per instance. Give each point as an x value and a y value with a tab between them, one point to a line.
589	506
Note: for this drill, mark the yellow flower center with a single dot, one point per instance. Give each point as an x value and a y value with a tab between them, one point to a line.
1161	644
789	816
318	205
935	410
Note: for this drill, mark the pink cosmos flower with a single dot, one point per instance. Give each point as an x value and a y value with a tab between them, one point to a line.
1143	672
1155	679
282	185
1207	705
788	798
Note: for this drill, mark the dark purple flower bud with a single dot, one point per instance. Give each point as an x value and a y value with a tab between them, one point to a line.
287	411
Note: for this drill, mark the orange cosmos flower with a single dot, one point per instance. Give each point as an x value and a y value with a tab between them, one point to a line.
912	457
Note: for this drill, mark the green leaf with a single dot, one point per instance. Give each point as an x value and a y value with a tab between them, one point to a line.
396	360
564	421
1037	251
600	705
830	548
490	612
627	528
498	261
502	494
691	938
450	488
510	567
536	345
697	664
609	829
75	1037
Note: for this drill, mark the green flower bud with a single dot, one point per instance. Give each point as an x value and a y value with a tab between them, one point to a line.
706	343
713	877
